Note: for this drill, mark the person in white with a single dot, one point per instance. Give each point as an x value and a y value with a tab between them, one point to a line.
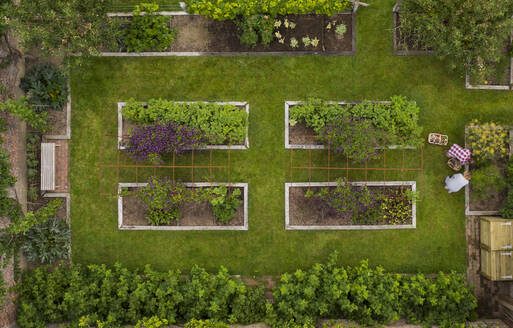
455	183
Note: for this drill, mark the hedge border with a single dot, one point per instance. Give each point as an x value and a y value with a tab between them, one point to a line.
244	146
300	146
288	226
244	227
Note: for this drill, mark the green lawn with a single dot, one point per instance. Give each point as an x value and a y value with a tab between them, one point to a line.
438	243
128	5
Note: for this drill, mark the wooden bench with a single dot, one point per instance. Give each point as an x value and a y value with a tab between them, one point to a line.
47	166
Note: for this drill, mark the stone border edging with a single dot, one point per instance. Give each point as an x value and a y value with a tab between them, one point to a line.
244	227
245	146
469	212
397	52
299	146
352	52
66	136
289	185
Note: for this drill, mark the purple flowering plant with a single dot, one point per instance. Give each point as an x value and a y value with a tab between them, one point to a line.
345	199
354	137
151	142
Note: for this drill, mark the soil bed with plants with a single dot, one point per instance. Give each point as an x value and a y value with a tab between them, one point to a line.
486	193
126	126
195	215
389	205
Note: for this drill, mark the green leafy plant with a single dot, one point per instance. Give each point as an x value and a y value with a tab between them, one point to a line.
341	29
220	123
47	242
507	209
153	322
224	203
256	28
485	180
33	142
46	87
294	43
396	206
26	112
148	31
205	324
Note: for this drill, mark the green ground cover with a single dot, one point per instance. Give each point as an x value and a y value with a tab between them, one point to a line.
129	5
374	73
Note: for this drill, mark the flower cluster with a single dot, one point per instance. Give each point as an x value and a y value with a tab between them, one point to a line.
487	140
153	141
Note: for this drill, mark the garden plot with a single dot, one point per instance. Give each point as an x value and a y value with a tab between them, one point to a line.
194	216
126	125
405	44
304	212
303	34
302	136
486	194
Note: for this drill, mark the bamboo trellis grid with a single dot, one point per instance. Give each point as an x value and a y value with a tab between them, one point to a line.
121	162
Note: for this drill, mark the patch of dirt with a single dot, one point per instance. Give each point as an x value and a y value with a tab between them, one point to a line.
300	134
309	211
57	121
200	214
493	201
200	34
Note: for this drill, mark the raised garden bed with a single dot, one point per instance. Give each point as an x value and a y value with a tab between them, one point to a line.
301	136
131	211
59	121
495	200
124	127
198	36
303	213
501	78
404	45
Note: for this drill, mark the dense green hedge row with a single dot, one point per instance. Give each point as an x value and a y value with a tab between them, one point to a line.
120	296
230	9
220	123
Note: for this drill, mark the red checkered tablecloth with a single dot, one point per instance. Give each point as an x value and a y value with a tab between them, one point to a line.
460	153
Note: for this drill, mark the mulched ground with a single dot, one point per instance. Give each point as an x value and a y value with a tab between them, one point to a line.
191	215
308	211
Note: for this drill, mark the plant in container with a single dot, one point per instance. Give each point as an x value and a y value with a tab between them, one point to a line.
340	30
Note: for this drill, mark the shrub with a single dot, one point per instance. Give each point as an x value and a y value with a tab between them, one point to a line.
220	123
47	242
148	31
467	33
354	137
153	322
205	324
26	112
154	141
255	28
45	86
163	199
224	203
231	9
507	209
486	180
487	140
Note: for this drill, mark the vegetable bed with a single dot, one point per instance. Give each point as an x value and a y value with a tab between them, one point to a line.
303	212
194	216
406	43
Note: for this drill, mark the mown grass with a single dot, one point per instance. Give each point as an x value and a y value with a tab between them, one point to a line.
437	244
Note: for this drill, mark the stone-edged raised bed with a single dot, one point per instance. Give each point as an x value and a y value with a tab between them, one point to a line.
399	48
493	205
302	137
194	217
299	210
125	125
494	83
201	36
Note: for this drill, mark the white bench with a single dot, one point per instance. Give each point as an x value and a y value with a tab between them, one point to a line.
47	166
